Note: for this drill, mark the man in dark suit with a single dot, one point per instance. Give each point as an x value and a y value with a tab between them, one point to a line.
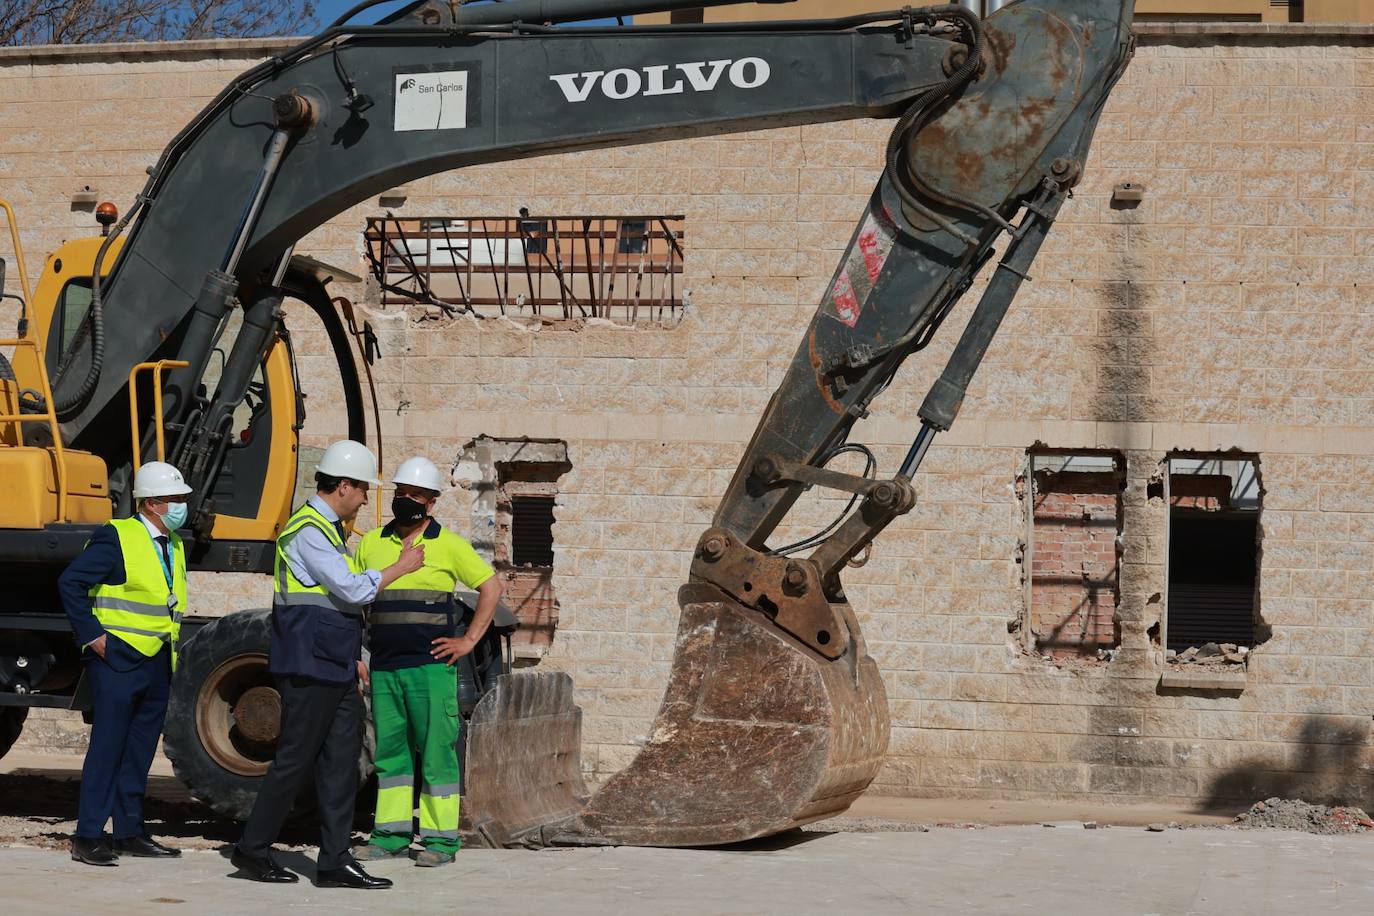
125	595
316	655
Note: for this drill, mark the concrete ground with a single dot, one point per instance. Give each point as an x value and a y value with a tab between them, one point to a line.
880	858
1063	871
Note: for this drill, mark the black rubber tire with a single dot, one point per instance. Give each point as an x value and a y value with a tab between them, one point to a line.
230	794
11	725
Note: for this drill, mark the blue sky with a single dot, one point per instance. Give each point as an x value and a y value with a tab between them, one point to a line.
329	10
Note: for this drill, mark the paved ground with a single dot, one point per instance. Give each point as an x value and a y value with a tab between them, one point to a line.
1063	871
877	859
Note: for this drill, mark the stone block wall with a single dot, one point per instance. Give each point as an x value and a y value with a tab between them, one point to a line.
1230	310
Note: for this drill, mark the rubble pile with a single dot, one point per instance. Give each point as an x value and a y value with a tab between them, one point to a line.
1210	653
1293	814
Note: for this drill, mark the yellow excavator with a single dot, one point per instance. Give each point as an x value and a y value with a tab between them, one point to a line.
775	715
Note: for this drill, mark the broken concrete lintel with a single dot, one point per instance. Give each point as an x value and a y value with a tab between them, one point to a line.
529	451
1203	680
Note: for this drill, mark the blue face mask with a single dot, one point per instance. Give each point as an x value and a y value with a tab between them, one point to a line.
175	516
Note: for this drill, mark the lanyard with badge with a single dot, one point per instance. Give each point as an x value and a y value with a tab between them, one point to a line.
164	560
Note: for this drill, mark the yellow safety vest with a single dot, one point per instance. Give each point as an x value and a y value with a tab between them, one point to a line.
289	591
137	610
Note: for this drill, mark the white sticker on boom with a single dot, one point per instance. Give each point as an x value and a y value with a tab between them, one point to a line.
431	101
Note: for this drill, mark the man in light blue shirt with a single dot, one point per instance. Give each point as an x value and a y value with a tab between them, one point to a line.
315	561
316	656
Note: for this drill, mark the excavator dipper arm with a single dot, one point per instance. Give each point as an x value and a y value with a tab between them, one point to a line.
774	715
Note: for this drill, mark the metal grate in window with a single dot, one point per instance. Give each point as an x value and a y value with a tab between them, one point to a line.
532	531
625	268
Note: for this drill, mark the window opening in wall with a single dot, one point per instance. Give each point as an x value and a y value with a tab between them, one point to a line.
515	482
531	530
1072	560
623	268
1212	602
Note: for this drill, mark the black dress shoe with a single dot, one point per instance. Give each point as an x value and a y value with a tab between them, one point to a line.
263	869
145	847
93	852
350	875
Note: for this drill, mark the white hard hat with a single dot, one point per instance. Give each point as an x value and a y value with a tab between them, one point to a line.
419	472
349	459
158	478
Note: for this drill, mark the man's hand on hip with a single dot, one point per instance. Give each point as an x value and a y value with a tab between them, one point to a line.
449	649
97	645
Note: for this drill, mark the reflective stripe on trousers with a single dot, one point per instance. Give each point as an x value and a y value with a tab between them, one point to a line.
416	711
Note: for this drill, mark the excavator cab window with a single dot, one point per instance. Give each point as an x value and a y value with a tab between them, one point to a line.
70	322
238	489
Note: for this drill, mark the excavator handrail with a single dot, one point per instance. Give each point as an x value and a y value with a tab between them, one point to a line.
30	339
156	368
18	249
49	416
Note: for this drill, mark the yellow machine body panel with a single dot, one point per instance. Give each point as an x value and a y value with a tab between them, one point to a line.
30	480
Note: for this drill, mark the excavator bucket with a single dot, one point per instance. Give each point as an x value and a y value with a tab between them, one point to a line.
757	734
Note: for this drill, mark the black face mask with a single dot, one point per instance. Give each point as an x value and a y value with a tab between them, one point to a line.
407	511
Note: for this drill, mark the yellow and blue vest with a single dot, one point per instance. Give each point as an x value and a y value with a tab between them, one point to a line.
313	634
136	611
410	613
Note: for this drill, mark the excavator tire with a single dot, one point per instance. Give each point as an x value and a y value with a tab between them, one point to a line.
224	716
11	725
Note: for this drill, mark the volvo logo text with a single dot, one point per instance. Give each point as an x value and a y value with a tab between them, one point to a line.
663	79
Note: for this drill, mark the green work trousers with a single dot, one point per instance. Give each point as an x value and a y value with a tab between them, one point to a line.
416	712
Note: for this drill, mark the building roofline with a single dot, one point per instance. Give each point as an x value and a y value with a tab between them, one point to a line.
1147	32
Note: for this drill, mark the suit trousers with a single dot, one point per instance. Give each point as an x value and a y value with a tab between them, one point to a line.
129	693
321	729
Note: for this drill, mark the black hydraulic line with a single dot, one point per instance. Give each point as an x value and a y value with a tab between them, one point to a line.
914	119
65	408
870	465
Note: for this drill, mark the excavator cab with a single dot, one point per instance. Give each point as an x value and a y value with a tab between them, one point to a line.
46	482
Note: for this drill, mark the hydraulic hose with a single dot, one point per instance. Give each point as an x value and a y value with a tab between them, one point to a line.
67	407
904	179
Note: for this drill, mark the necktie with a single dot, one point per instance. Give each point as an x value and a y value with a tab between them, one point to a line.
339	527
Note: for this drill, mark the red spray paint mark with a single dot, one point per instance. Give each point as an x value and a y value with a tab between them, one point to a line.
847	306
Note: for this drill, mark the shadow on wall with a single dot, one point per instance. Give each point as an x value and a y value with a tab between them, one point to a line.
1332	765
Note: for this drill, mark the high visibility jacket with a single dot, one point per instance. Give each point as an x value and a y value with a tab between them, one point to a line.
410	613
137	611
313	633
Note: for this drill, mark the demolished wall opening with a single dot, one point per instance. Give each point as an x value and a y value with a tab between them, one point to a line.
516	487
1212	602
1072	559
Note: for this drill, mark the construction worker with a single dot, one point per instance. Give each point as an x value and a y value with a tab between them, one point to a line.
414	684
125	594
316	655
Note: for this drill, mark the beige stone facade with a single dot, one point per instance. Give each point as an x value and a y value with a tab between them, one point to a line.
1231	310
